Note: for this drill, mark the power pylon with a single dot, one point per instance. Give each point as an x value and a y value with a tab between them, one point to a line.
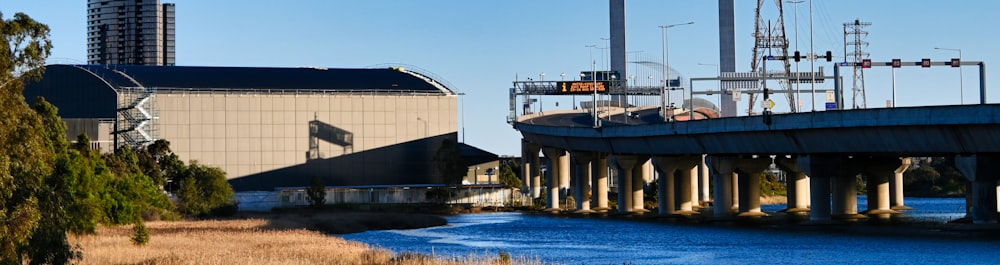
770	40
856	28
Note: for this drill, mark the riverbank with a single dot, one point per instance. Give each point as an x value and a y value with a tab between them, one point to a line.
262	238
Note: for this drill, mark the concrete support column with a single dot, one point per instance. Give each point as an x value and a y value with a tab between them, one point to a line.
821	169
638	183
797	184
599	168
583	174
735	180
530	167
627	176
671	169
722	176
845	196
896	185
983	172
703	183
564	175
878	172
749	170
554	155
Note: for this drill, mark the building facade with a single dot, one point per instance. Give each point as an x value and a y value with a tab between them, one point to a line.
265	127
135	32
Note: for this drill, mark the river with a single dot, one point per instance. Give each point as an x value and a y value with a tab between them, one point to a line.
572	240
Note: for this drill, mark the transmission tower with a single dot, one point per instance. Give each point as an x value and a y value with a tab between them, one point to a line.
770	40
856	28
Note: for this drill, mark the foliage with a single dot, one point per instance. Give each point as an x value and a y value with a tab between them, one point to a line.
203	189
508	177
448	162
140	234
770	186
316	192
26	156
933	177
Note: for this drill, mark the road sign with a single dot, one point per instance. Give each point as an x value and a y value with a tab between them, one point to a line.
831	105
897	63
844	64
956	62
737	95
767	104
866	63
830	96
925	62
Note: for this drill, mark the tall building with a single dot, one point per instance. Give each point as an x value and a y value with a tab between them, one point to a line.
137	32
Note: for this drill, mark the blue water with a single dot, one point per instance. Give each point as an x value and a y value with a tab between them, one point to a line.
567	240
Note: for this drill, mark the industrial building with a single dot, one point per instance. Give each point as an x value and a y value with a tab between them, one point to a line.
137	32
267	128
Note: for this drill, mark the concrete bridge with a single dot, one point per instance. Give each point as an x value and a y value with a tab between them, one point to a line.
821	152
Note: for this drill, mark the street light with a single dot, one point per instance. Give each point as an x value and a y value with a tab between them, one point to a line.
666	67
961	88
541	78
798	95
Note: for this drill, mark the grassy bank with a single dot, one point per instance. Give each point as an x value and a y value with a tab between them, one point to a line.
257	239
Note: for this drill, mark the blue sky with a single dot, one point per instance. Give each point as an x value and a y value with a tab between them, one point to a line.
480	46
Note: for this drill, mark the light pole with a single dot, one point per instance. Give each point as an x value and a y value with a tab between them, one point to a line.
666	69
593	76
961	89
798	95
541	80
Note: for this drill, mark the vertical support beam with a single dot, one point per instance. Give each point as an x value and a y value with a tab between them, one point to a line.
583	161
845	196
896	185
722	171
671	169
554	155
878	172
564	173
530	167
749	170
821	170
630	182
600	186
692	188
736	190
983	172
703	194
797	184
638	183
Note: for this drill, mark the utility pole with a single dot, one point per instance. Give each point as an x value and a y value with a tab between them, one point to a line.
856	28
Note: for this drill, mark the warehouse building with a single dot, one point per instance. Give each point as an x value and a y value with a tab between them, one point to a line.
266	127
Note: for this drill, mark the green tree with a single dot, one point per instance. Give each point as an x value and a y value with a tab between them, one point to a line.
316	192
26	156
448	162
204	190
508	177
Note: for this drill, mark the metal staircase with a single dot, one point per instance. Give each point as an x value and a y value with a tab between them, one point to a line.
135	126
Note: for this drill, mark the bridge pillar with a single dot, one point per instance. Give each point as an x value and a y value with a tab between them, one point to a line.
735	182
878	172
797	184
821	169
703	194
530	168
599	169
896	185
983	171
722	169
583	175
564	175
749	170
670	167
638	184
845	189
630	182
555	157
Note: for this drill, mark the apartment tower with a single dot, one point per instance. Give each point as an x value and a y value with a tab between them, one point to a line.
135	32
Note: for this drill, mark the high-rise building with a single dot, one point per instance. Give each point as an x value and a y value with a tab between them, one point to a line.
139	32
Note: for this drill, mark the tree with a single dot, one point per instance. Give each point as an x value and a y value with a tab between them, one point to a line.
448	161
508	177
316	192
26	157
204	190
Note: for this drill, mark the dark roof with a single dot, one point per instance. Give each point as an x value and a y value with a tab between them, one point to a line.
262	78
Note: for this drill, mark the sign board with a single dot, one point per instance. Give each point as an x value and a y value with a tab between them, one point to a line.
752	83
580	87
897	63
925	62
866	63
737	95
956	62
831	105
830	97
767	104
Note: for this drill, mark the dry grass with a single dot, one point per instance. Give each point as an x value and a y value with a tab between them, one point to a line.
246	241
